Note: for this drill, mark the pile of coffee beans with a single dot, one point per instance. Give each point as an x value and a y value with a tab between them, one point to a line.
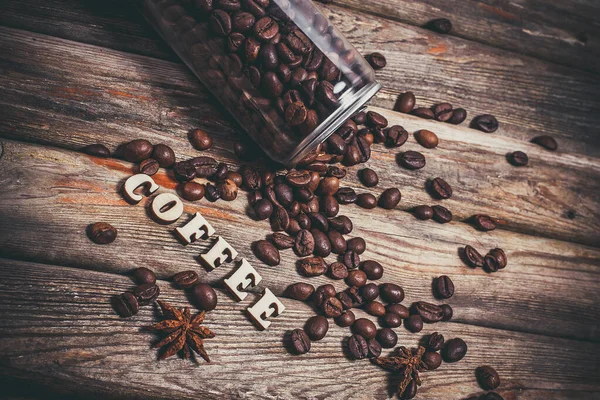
127	304
493	261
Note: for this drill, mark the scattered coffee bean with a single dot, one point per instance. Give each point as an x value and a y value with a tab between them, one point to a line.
146	293
490	264
263	209
341	223
358	347
355	295
322	245
337	241
398	309
300	341
487	377
266	252
458	116
499	257
440	189
391	293
375	308
414	323
447	312
365	328
411	160
473	258
102	233
126	305
405	103
299	291
346	319
97	150
443	287
546	141
518	158
430	313
484	223
338	270
441	214
411	390
305	243
423	112
486	123
137	150
236	177
280	219
329	186
435	342
356	278
368	177
312	266
204	296
372	269
396	136
251	178
374	348
346	195
228	190
369	292
423	212
432	360
426	138
143	275
345	299
211	192
392	320
192	191
439	25
390	198
454	350
387	338
376	60
351	260
164	155
329	206
185	279
357	245
375	119
316	327
442	111
332	307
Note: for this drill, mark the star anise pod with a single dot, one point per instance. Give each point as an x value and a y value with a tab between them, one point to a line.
184	332
407	363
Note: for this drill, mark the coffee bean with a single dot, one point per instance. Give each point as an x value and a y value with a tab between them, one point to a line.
366	200
332	307
435	342
423	212
374	348
322	293
338	270
346	195
376	60
319	221
126	305
351	260
345	299
220	22
312	266
164	155
329	186
375	308
263	209
204	296
102	233
284	194
299	291
392	320
336	145
295	113
229	5
316	327
228	190
280	220
212	194
337	241
405	103
357	245
356	278
398	309
360	118
368	177
490	264
305	243
304	221
442	111
192	191
146	293
300	341
299	43
236	177
454	350
440	25
414	323
341	223
432	360
346	319
411	160
499	256
441	214
472	257
427	139
242	21
546	141
423	112
447	311
355	295
326	94
458	116
391	293
97	150
443	287
365	328
484	223
387	338
200	139
143	275
485	123
487	377
352	156
266	29
372	269
396	136
203	166
390	198
369	292
375	119
439	188
518	158
137	150
358	347
185	279
329	206
266	252
322	245
430	313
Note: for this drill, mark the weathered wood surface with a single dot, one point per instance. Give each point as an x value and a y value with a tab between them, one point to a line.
159	101
58	325
49	196
528	96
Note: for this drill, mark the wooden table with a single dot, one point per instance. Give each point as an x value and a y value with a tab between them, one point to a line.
75	73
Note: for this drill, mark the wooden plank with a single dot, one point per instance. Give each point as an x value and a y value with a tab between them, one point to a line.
160	101
528	96
59	328
559	32
49	196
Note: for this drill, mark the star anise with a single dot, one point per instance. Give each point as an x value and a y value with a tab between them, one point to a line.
185	332
407	363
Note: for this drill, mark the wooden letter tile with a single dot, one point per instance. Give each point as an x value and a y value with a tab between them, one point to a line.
268	305
134	182
174	210
243	277
219	253
196	228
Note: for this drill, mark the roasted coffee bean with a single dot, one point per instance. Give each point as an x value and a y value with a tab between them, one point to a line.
126	305
351	260
546	141
319	221
390	198
102	233
298	178
137	150
337	241
374	348
396	136
435	342
295	113
341	223
329	206
212	194
269	60
411	160
338	270
399	309
283	241
332	307
414	323
322	293
369	292
490	264
366	200
162	155
440	189
242	21
143	275
372	269
441	214
280	220
346	195
271	85
442	112
358	347
200	139
263	209
329	186
312	266
221	173
405	103
304	221
204	296
318	166
316	327
352	156
427	139
192	191
487	377
447	310
391	293
236	177
300	341
500	256
235	41
375	119
146	293
284	194
328	71
315	179
392	320
254	198
484	223
326	95
336	145
269	194
356	278
229	5
266	29
228	190
355	295
303	194
458	116
346	319
185	279
423	212
204	166
473	258
454	350
518	158
423	112
440	25
485	123
364	327
345	299
432	360
376	60
375	308
299	291
357	245
298	42
387	338
368	177
322	245
220	22
364	148
443	287
266	252
305	243
360	118
97	150
430	313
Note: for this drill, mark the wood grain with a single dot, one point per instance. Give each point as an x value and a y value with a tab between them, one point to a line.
49	196
159	101
58	326
528	96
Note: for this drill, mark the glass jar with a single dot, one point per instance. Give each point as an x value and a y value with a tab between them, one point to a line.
283	71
